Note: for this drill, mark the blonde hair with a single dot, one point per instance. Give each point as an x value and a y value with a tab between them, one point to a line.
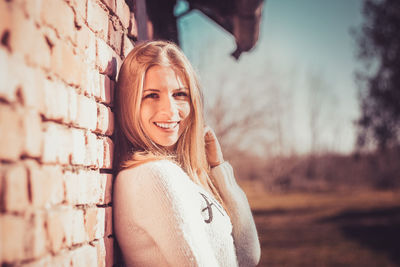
135	147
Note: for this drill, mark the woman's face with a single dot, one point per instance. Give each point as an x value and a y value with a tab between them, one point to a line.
165	106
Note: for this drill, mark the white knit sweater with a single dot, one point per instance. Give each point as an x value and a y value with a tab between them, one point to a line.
162	218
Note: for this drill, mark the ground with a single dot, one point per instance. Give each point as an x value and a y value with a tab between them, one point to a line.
350	228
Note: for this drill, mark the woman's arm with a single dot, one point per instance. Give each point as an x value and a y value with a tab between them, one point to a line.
244	230
152	197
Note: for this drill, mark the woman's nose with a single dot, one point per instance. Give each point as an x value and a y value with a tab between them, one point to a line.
169	106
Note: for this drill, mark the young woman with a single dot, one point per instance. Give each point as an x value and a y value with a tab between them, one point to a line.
175	201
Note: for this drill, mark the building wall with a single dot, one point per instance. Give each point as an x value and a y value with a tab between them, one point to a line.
58	65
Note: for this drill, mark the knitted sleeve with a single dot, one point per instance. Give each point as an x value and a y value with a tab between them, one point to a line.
244	230
153	197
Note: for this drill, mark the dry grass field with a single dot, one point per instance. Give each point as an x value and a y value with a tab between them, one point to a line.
353	228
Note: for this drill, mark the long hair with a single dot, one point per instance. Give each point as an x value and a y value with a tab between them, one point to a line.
135	147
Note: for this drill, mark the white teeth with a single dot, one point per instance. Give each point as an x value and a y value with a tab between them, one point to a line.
169	125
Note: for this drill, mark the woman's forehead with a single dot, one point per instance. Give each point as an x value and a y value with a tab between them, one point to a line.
164	77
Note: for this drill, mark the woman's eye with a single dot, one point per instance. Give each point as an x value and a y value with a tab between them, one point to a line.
152	95
180	94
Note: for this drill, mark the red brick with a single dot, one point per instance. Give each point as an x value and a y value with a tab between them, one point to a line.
108	153
27	40
95	223
57	143
36	243
105	120
79	6
123	13
78	147
72	106
97	18
127	46
16	75
78	227
87	113
12	232
15	186
43	262
108	229
92	87
133	29
117	60
32	83
106	188
12	137
73	190
67	213
46	184
32	125
66	64
115	36
63	24
83	188
5	18
107	87
84	256
86	41
105	252
56	229
110	4
7	89
32	9
100	153
109	244
62	260
104	59
101	252
91	149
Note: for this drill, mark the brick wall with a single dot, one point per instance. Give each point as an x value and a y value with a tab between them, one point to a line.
58	64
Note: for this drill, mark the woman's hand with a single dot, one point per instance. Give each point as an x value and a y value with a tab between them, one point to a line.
213	148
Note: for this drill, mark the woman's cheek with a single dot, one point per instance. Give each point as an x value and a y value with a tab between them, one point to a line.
184	110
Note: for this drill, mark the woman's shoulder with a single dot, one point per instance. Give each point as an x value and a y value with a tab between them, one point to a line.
155	167
155	172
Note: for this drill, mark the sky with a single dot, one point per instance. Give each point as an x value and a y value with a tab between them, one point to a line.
305	60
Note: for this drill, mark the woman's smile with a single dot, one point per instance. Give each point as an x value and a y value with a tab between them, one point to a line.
167	125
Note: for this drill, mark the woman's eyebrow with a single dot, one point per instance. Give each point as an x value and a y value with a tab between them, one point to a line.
182	89
151	89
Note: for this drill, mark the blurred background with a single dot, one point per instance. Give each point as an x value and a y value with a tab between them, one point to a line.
310	118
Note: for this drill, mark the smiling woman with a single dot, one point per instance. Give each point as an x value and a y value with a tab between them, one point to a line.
175	201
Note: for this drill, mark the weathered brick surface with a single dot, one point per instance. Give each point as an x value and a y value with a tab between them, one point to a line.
27	40
11	141
67	64
115	36
95	223
87	113
107	87
127	46
59	60
123	13
105	120
63	24
7	90
15	187
57	143
13	229
108	156
46	184
97	18
32	127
